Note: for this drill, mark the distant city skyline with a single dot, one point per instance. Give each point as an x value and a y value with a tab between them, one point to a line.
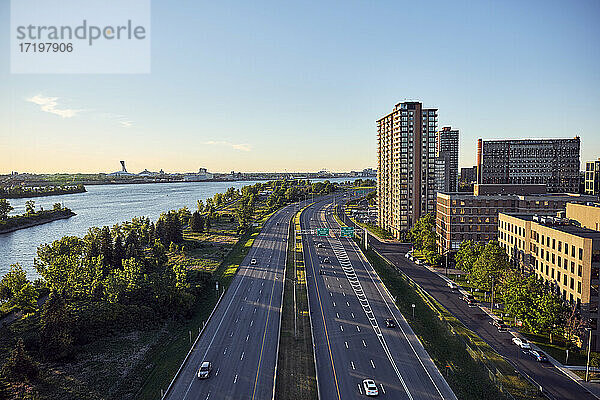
299	87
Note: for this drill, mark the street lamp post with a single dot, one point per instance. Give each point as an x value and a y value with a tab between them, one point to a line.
587	367
413	310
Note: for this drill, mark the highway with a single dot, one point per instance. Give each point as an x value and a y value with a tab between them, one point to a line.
349	306
242	336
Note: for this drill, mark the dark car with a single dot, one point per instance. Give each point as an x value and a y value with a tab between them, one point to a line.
390	323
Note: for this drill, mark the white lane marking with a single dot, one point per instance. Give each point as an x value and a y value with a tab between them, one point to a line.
364	344
372	364
344	293
346	343
334	303
382	388
217	373
242	308
247	337
330	294
341	328
337	279
348	304
337	315
207	396
352	315
370	272
358	328
235	379
246	298
242	357
225	351
254	310
231	334
353	367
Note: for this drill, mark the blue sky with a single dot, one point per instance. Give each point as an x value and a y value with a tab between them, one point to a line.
272	85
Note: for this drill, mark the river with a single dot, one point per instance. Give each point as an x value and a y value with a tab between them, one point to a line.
102	205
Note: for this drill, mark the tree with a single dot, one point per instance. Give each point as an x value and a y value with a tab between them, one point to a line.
19	365
468	253
489	266
5	208
200	206
106	246
207	224
423	237
118	251
56	340
17	292
30	207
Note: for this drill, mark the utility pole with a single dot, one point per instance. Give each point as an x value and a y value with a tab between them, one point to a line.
587	367
492	305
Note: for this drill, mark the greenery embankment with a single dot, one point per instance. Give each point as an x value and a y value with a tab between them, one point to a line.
20	192
31	217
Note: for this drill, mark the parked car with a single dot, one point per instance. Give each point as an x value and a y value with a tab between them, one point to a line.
390	323
326	260
204	370
468	297
500	325
319	245
370	387
538	355
253	261
522	343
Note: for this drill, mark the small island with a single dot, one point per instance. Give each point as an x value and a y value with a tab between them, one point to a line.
31	217
22	192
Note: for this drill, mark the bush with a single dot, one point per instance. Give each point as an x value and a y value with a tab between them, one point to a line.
19	365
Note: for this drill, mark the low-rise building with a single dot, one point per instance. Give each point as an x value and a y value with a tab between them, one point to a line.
464	216
561	251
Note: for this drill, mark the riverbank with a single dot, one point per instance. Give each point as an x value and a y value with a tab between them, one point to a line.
25	193
41	217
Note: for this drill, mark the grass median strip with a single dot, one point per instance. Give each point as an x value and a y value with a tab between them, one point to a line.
296	375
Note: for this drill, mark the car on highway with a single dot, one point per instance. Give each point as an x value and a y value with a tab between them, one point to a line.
370	387
326	260
538	355
204	370
253	261
522	343
452	286
390	323
319	245
418	262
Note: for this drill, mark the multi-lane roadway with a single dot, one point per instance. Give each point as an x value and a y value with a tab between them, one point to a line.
242	336
349	308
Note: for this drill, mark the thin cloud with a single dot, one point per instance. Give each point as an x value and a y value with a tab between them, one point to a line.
236	146
50	105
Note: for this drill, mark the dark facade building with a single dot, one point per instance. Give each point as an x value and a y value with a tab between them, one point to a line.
406	165
552	162
446	173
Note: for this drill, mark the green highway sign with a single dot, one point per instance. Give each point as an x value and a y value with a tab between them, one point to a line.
347	231
322	232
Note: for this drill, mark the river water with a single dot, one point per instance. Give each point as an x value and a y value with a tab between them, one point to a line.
102	205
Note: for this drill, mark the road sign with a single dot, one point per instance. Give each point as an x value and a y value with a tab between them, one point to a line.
347	231
322	232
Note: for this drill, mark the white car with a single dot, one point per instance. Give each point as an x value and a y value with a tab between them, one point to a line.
370	387
253	261
452	286
522	343
407	255
204	370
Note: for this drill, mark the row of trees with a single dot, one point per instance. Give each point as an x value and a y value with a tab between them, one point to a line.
15	192
524	296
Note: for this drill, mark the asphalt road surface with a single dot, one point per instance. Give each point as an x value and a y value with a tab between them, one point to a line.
242	336
349	307
555	384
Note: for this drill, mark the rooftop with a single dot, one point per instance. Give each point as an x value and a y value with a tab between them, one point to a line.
561	225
